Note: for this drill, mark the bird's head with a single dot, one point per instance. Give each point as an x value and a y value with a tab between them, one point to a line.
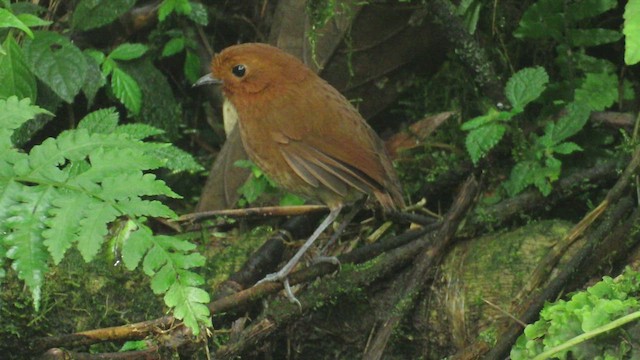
249	69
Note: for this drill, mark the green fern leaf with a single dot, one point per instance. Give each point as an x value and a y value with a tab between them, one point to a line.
8	187
163	279
189	303
67	191
14	113
585	9
134	248
593	37
134	185
139	131
140	207
107	163
176	159
93	228
62	223
103	121
24	238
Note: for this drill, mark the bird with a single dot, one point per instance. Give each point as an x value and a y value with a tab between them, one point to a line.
303	134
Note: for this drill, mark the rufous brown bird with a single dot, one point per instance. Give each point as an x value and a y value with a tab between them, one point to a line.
303	134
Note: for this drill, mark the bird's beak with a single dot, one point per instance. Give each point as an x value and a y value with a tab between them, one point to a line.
208	80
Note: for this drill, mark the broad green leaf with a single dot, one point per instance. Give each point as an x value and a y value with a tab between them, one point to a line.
102	121
198	13
598	91
134	346
56	62
128	51
542	20
631	32
479	141
91	14
126	90
593	37
8	20
108	65
94	81
291	200
32	21
469	10
253	188
192	67
169	6
585	9
525	86
97	55
15	76
571	123
567	148
173	46
161	108
522	176
628	93
482	120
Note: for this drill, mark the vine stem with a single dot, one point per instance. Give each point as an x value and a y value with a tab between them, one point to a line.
588	335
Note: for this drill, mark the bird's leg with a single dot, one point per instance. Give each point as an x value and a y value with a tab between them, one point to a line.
345	222
282	274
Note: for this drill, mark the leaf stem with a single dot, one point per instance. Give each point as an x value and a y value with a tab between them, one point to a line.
588	335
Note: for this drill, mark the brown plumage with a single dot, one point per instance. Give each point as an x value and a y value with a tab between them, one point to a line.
302	132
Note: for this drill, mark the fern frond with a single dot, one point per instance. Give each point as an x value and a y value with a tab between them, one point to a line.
24	240
14	113
68	190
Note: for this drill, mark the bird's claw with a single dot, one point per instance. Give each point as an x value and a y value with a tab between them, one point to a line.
292	298
273	277
277	276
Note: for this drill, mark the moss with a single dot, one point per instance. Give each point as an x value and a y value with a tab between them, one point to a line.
76	297
227	252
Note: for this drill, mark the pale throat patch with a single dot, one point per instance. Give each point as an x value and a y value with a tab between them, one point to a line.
229	116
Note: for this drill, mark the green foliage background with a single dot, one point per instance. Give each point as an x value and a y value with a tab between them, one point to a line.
68	185
97	181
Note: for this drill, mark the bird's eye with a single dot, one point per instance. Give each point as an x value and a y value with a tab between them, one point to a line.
239	70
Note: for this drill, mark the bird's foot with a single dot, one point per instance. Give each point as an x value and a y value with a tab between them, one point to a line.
281	276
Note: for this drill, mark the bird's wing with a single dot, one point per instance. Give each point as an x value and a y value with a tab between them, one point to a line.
317	167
